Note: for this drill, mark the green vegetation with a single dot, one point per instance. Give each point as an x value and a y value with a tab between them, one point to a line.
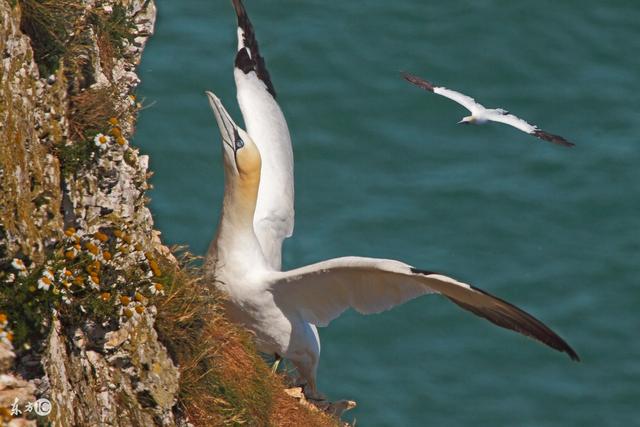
28	312
91	112
223	381
74	157
104	277
58	36
49	24
107	277
115	26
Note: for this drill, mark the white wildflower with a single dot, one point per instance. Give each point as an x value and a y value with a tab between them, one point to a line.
18	264
4	338
156	289
44	283
65	274
48	274
65	298
91	281
101	140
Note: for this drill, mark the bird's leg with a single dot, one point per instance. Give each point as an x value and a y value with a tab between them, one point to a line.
276	363
311	393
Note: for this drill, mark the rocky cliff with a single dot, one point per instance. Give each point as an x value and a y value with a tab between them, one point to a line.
99	323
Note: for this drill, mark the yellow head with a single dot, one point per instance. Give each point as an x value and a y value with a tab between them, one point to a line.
241	156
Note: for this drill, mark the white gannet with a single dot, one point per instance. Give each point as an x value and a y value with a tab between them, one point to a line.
265	123
480	115
281	308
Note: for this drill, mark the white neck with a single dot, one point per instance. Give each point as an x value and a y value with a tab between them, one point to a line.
236	246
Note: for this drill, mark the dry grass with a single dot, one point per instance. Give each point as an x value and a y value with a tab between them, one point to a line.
223	380
107	52
49	24
112	29
89	114
90	111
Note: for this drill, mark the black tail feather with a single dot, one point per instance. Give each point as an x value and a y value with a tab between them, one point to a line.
248	58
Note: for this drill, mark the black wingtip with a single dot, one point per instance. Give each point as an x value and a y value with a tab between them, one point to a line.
507	315
572	354
248	58
556	139
534	328
239	8
417	81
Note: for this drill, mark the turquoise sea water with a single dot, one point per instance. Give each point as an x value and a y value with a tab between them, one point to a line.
383	170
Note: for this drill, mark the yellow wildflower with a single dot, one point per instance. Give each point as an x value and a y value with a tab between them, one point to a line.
91	248
116	132
155	268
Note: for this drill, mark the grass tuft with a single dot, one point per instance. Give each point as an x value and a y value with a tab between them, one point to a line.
112	30
48	23
223	380
90	111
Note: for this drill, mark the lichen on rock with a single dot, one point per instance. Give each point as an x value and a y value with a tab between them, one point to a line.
96	315
55	178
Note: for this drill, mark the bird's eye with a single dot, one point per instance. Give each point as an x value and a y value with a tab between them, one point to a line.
239	143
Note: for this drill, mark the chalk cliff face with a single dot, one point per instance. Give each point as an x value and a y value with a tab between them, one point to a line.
96	315
31	117
66	78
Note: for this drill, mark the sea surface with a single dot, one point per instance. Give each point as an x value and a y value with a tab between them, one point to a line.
383	170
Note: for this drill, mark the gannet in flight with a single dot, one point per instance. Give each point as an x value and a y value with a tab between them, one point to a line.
480	115
265	123
281	308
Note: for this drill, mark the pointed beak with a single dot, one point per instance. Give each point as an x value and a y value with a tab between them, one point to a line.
225	123
462	122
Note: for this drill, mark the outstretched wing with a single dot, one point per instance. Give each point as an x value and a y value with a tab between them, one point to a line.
502	116
265	123
321	292
464	100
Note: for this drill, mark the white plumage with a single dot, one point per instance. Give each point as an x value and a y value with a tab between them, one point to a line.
265	123
480	114
282	308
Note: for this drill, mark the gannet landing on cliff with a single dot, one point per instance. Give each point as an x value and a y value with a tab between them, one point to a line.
480	115
274	217
281	308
